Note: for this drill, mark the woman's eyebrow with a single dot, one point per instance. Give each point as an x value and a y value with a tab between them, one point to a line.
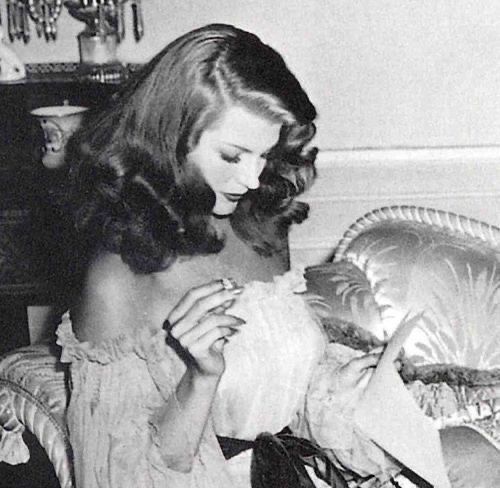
237	146
244	149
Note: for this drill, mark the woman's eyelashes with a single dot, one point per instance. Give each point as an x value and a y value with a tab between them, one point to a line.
231	158
237	157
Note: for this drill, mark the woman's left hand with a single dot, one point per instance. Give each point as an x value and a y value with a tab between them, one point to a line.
357	372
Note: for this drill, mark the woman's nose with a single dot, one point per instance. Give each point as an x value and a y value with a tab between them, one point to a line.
250	173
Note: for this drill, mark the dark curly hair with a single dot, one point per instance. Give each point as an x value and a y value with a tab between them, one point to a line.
130	190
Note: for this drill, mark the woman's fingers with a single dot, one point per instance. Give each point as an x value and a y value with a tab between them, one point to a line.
358	370
194	294
209	303
398	362
364	378
192	335
184	317
371	360
366	361
202	344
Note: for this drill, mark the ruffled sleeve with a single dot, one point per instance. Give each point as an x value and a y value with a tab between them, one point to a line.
328	419
118	388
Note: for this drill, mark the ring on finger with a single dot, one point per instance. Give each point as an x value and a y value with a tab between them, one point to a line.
228	284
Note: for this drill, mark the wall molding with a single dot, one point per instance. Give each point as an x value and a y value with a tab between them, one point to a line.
408	154
401	196
351	183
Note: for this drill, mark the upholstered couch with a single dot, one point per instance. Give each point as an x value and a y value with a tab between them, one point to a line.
393	261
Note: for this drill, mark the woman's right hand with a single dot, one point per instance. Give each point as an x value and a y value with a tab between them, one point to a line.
199	326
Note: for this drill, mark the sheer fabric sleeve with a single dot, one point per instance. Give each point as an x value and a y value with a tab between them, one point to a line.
328	420
117	391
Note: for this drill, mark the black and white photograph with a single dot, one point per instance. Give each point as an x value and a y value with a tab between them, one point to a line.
249	244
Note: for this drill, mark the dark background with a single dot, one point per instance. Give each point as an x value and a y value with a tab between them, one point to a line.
29	268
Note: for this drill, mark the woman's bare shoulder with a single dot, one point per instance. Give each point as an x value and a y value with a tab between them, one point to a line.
108	305
114	300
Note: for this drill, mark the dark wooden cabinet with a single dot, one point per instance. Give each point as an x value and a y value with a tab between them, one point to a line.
52	84
28	256
30	228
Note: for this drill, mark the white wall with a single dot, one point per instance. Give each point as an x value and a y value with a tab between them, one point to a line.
382	73
353	183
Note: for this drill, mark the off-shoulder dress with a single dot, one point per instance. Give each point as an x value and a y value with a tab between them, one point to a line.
280	372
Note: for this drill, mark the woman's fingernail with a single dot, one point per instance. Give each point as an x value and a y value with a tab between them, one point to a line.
237	291
224	306
227	304
238	321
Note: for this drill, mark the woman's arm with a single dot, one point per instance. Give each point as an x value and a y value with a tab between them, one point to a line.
183	419
197	330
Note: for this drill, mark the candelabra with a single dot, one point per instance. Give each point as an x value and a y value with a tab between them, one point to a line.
104	19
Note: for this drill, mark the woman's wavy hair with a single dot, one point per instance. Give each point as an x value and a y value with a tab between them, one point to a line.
131	191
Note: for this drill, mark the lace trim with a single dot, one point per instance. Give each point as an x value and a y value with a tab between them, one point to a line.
145	344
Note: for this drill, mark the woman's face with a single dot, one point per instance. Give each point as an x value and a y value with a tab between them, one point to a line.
231	155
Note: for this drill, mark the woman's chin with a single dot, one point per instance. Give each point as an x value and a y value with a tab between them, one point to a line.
224	210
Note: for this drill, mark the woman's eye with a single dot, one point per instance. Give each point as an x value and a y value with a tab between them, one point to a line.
229	158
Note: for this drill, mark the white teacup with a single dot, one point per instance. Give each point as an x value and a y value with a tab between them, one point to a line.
58	123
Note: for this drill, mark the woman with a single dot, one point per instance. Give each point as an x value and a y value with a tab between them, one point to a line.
191	176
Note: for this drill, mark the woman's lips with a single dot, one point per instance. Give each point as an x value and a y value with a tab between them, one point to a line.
233	197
